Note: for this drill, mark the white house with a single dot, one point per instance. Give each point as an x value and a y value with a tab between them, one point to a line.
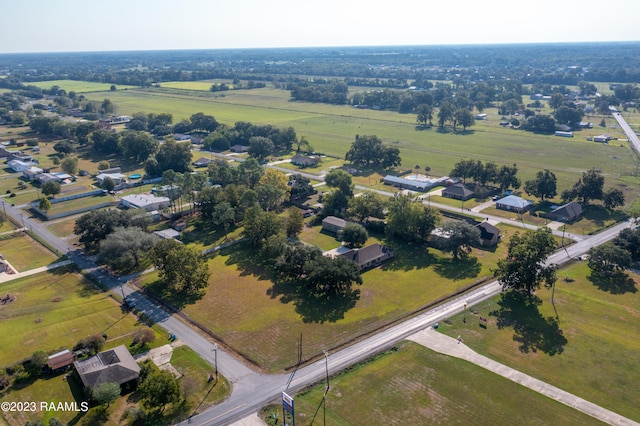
20	166
117	178
145	201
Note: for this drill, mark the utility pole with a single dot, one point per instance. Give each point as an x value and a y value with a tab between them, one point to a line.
215	353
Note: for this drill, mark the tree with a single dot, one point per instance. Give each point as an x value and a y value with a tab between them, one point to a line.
250	172
94	226
524	268
51	188
278	190
368	204
260	148
543	186
203	122
354	235
461	237
506	177
106	393
556	100
613	198
36	363
224	215
69	165
64	147
142	336
629	240
108	184
341	180
463	117
105	141
410	220
159	389
137	145
260	225
327	276
445	114
294	223
589	187
44	204
125	249
607	259
181	268
369	151
424	113
173	155
93	343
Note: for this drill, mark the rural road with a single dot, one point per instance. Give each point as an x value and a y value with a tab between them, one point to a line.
251	390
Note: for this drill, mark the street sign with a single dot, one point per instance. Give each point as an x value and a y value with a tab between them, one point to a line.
288	408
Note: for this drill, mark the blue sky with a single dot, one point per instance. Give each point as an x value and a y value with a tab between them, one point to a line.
91	25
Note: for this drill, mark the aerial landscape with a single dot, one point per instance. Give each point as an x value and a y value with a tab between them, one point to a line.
260	222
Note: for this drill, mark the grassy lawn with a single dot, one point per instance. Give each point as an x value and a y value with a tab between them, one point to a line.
262	320
71	205
583	344
24	253
412	385
62	227
57	309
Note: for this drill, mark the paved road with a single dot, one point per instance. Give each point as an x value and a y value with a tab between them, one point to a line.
633	138
252	390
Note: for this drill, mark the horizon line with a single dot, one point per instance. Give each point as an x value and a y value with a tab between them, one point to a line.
326	47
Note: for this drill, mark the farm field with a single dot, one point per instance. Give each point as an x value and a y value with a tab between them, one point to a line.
262	321
78	86
582	344
414	385
332	128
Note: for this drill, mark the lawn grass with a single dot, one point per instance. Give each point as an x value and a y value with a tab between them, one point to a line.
592	353
62	227
56	309
262	320
412	385
24	253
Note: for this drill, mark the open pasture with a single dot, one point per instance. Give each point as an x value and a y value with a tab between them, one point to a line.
584	342
262	320
78	86
414	385
332	128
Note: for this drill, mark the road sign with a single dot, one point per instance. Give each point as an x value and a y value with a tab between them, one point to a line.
288	408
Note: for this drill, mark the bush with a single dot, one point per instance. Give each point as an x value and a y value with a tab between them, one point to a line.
92	343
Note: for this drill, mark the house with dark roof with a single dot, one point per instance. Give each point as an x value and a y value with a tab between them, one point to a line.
369	256
112	366
458	192
304	160
566	212
239	148
202	162
333	224
513	203
489	234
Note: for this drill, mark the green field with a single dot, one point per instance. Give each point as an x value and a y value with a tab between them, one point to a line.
78	86
57	309
413	385
332	128
592	353
24	253
262	320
